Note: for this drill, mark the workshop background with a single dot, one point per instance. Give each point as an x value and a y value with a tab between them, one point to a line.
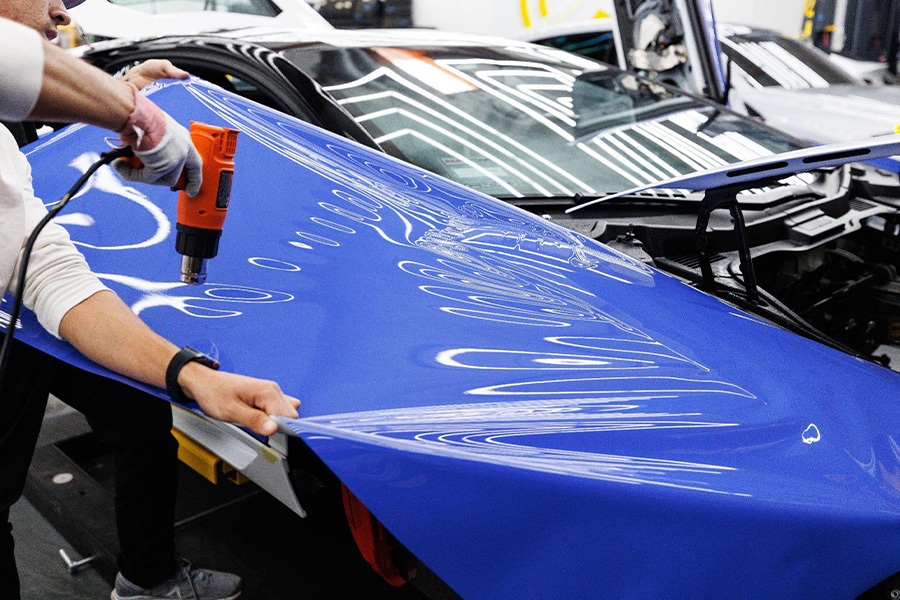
66	545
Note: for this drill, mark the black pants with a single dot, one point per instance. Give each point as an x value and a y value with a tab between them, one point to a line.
135	425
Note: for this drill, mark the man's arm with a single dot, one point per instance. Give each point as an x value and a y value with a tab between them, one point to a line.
105	330
73	91
71	302
59	288
41	81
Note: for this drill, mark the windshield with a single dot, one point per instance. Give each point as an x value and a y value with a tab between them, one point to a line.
599	45
771	60
530	121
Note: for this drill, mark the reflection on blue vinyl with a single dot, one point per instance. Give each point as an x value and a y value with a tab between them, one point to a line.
531	413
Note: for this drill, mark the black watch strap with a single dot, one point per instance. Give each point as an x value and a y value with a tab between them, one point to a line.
184	356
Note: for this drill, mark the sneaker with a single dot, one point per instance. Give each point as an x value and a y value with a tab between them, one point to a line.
187	584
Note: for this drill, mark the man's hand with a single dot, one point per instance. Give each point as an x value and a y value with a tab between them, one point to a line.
149	71
236	398
163	145
105	330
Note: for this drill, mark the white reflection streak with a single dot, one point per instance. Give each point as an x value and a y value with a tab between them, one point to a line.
332	225
617	352
686	146
608	150
520	90
546	246
450	108
557	360
679	385
486	433
558	99
648	155
154	296
503	317
520	297
660	139
507	99
416	134
529	91
106	181
613	140
637	346
609	164
460	140
273	264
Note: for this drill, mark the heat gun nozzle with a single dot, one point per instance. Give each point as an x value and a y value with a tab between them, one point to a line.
193	270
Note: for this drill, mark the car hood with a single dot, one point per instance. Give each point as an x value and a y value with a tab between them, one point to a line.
531	413
832	114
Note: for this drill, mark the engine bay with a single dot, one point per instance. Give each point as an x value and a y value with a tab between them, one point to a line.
825	251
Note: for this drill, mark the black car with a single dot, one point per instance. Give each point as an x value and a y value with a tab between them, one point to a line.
546	130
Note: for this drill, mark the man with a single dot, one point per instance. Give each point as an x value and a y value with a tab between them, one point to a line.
38	80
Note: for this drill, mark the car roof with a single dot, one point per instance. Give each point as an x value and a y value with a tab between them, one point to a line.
283	37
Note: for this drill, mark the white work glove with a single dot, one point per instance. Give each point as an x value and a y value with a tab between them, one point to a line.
163	145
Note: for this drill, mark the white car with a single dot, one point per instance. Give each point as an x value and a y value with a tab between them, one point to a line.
789	84
107	19
795	87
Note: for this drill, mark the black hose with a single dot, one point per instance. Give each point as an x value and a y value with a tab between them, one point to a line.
105	159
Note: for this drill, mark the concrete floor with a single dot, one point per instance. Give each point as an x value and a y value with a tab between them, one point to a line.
43	574
279	554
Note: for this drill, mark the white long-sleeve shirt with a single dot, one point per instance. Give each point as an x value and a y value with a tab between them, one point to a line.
58	275
21	70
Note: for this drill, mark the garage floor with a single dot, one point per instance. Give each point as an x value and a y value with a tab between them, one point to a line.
42	571
227	527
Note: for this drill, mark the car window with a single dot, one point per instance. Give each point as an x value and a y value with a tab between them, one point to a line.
250	7
775	61
596	45
530	121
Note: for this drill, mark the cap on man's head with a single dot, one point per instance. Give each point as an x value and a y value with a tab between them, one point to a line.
72	3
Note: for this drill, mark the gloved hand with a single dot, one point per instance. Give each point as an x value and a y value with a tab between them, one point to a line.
162	144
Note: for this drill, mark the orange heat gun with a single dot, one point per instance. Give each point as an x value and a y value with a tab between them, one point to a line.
201	218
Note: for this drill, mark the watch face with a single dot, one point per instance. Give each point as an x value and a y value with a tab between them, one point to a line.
202	358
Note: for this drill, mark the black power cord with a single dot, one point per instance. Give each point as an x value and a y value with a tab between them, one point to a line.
105	159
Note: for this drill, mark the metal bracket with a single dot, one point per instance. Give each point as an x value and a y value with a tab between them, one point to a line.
75	565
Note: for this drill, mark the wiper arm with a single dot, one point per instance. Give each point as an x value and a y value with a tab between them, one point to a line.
754	173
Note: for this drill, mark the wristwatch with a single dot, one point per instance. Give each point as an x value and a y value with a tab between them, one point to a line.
184	356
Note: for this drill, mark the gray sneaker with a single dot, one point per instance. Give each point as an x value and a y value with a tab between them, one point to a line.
187	584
